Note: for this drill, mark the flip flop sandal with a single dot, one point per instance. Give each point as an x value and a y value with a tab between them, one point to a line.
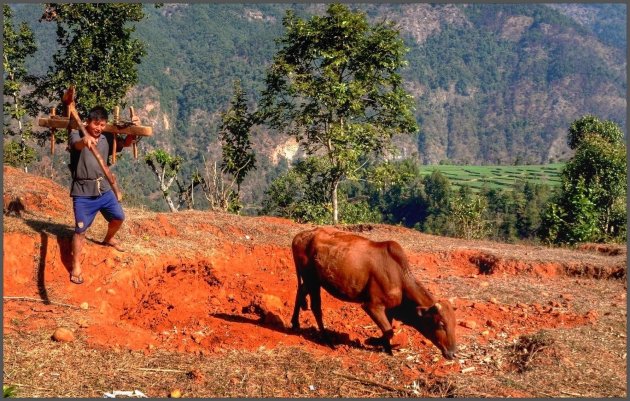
77	279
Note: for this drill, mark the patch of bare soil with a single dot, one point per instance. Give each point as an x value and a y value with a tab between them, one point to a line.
201	301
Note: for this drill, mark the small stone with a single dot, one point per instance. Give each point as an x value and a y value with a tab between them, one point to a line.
485	333
63	335
231	297
469	324
84	305
484	284
177	393
493	300
567	297
111	291
197	337
491	323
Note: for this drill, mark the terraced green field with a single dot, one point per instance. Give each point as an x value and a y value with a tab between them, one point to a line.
498	176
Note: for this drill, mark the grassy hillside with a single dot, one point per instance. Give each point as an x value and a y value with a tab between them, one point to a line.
498	177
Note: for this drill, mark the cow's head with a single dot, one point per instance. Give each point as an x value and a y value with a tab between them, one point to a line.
437	323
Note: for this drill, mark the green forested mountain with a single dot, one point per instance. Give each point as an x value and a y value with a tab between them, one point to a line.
493	84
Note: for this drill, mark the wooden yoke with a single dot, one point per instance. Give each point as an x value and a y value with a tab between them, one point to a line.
68	100
55	122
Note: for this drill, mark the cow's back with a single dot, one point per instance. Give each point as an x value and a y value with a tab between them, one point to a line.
348	266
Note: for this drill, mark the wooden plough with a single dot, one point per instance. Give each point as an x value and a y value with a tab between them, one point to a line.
117	127
71	120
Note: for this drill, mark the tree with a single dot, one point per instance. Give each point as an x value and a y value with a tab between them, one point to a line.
17	46
165	167
238	157
591	205
467	215
334	85
396	191
97	52
300	193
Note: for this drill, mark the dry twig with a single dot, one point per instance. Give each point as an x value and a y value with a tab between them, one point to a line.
374	383
40	300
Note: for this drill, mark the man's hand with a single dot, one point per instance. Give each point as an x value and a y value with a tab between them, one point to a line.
89	141
135	120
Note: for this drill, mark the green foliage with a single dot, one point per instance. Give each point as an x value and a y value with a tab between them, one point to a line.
18	154
300	194
467	215
396	191
18	104
591	204
161	159
238	157
9	391
97	53
334	85
165	168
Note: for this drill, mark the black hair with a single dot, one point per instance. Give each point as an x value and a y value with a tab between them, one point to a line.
98	113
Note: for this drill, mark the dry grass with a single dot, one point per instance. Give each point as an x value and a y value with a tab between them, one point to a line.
39	367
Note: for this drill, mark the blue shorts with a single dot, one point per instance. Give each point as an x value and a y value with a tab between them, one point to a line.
86	207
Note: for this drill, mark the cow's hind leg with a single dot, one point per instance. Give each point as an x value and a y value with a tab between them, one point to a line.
316	307
380	317
300	302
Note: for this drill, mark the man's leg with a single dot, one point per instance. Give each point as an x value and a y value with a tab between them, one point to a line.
114	214
85	210
112	229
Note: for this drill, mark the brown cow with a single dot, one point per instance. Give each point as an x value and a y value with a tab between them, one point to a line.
375	274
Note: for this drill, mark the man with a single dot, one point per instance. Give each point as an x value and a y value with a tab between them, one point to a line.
90	191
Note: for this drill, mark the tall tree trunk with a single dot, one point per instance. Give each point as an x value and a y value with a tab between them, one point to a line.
170	203
334	202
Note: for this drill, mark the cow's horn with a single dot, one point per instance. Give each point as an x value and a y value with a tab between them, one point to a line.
438	306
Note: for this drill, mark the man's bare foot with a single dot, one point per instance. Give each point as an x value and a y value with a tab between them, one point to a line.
114	244
78	279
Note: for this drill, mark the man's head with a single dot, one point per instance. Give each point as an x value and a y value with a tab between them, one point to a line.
96	121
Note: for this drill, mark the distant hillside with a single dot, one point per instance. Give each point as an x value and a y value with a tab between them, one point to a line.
492	83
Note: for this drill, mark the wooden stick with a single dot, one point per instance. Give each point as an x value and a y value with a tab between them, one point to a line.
132	114
115	145
53	113
39	300
161	370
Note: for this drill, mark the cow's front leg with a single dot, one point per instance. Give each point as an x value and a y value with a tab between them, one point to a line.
378	314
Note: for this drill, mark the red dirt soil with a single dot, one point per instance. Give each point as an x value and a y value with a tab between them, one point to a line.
204	282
